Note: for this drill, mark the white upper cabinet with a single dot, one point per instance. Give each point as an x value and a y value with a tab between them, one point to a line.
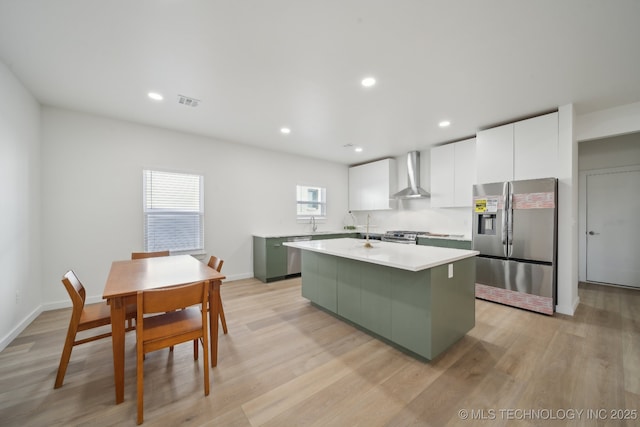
527	149
494	154
453	173
536	148
465	172
371	185
442	176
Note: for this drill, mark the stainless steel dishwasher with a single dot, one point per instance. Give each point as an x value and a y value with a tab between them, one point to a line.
294	256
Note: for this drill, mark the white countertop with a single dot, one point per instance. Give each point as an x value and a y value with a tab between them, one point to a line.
396	255
311	233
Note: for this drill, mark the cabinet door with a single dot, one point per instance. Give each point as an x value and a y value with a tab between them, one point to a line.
349	289
411	309
465	172
379	178
494	154
375	299
536	147
326	293
276	258
370	185
355	194
443	176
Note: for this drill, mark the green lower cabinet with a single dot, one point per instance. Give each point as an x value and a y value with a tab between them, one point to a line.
455	313
445	243
349	290
375	297
310	283
270	255
424	312
333	236
411	308
319	283
326	294
269	258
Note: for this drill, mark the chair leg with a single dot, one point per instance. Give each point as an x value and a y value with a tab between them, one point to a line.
140	386
222	318
205	356
130	325
195	349
66	353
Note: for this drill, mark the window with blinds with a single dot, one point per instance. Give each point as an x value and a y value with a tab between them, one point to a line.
173	212
311	202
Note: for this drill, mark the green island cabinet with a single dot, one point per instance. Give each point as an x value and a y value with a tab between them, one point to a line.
444	243
424	312
270	255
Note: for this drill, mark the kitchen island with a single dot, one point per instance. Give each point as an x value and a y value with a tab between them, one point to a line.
420	298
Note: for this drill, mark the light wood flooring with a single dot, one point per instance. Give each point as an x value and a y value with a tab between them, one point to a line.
287	363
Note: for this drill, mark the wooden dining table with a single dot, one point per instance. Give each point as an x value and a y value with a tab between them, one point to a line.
128	277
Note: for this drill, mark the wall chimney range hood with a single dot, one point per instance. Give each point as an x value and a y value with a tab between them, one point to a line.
413	190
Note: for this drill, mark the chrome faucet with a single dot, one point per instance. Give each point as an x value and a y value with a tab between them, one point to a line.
314	226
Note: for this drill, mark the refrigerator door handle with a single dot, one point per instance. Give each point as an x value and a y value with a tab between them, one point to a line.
510	226
505	221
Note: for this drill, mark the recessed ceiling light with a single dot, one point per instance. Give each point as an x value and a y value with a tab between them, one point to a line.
285	131
444	123
155	96
368	81
358	149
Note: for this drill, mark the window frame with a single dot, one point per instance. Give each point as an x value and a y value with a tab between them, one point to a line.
322	203
159	212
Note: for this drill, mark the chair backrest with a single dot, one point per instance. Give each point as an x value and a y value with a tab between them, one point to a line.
140	255
75	290
174	298
216	263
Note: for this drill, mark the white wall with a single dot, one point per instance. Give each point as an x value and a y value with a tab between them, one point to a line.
20	254
610	122
612	152
567	269
615	152
92	194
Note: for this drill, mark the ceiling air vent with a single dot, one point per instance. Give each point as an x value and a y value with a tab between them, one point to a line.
189	102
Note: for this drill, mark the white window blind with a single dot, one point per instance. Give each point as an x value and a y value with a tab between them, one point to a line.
173	212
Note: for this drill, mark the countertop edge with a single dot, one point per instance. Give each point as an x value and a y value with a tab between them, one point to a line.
462	254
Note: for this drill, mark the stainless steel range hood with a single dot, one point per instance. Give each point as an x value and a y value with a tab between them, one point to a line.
413	191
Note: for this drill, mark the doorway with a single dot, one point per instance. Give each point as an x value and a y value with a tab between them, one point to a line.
612	226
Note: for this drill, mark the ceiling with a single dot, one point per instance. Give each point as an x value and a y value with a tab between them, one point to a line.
257	66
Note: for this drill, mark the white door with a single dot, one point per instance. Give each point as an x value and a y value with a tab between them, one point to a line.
613	228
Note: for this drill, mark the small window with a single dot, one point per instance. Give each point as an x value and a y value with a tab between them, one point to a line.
311	201
173	212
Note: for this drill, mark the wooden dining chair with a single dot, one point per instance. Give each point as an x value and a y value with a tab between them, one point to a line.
140	255
172	326
84	317
216	264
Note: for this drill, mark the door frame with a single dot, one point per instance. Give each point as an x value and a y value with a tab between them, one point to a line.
582	214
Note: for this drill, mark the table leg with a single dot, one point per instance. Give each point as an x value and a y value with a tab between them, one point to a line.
214	304
118	310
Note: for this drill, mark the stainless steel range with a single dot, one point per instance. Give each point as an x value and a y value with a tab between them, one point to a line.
406	237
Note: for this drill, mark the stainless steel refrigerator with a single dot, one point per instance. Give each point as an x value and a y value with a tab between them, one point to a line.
515	231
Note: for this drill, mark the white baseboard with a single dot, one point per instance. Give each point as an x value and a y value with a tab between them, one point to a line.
568	310
6	340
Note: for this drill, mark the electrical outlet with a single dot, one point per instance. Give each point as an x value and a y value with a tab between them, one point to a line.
450	271
18	295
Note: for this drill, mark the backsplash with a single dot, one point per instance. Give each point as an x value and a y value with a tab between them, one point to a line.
417	215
